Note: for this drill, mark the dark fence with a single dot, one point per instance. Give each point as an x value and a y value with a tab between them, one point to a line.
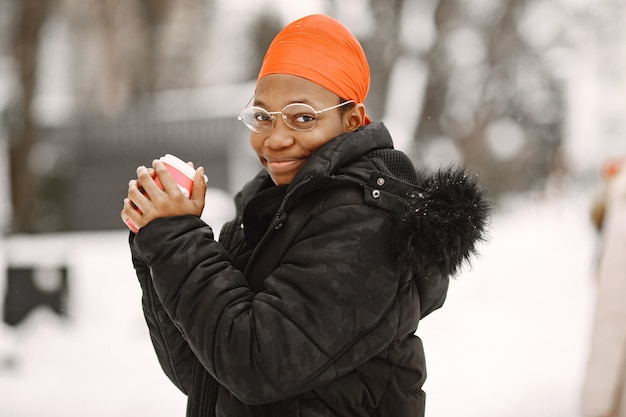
95	160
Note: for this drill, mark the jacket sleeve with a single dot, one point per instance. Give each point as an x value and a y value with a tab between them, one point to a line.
329	306
173	352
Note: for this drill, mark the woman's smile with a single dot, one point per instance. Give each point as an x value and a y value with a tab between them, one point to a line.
282	165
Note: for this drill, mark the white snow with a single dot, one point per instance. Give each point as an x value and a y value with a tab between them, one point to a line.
511	339
98	362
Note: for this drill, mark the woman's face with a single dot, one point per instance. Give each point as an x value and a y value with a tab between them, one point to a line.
283	151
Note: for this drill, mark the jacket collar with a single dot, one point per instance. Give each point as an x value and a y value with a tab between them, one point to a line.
343	149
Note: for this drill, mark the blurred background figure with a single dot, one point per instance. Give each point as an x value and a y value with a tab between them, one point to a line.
604	385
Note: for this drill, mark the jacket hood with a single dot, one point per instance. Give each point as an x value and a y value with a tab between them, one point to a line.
440	219
442	216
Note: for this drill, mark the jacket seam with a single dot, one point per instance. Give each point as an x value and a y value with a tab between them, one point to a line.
170	361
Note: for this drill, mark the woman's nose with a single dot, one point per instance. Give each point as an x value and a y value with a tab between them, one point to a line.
281	135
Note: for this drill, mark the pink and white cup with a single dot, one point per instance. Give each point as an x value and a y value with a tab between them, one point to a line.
181	172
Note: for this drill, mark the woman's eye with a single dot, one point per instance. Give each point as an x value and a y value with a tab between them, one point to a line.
304	118
261	117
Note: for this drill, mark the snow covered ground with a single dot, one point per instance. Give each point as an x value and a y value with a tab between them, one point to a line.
510	341
512	338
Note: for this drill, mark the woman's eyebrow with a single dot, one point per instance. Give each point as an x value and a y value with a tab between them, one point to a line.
259	103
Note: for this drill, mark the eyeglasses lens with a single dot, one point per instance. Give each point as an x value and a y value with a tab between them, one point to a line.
299	116
257	119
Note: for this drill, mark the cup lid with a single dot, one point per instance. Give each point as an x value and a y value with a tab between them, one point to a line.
179	164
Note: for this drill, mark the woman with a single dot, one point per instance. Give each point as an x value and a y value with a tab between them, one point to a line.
309	303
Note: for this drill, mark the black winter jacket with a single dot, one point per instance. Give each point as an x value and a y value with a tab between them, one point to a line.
322	321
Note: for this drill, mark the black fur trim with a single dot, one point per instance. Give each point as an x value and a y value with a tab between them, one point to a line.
444	222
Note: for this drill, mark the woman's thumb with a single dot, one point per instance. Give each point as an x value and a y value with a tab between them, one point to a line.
199	185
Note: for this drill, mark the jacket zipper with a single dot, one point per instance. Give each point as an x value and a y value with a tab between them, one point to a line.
276	220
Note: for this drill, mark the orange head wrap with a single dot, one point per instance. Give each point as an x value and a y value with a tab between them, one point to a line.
322	50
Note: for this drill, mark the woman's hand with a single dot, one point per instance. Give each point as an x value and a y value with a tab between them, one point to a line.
146	201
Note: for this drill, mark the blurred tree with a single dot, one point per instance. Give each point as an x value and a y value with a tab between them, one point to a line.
122	50
383	49
262	32
490	100
127	49
30	18
154	14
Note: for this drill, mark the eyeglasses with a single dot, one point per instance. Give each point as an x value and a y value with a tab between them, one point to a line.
298	116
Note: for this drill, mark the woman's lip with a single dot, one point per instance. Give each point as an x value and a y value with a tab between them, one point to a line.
282	158
282	164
